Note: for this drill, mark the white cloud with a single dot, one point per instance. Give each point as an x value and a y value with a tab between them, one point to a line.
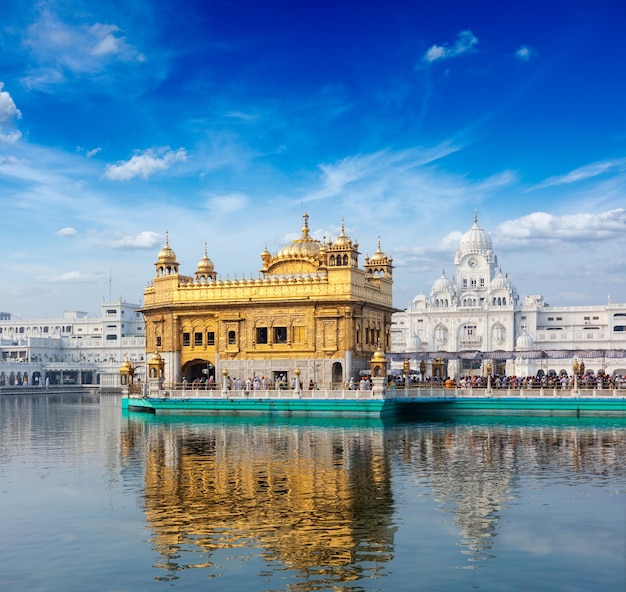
91	153
74	277
145	164
540	227
8	114
144	240
465	42
525	53
67	231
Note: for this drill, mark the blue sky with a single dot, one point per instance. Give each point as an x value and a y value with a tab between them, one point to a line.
222	122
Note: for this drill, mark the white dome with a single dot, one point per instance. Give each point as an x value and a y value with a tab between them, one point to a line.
501	282
443	284
475	240
524	342
415	343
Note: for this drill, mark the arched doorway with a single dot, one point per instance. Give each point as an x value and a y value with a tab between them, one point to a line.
199	371
439	368
337	373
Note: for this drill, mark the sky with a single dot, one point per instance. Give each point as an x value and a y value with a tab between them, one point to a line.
221	122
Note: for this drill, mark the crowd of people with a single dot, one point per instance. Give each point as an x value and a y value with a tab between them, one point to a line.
588	380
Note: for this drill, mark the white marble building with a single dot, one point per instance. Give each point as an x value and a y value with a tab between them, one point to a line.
476	315
73	349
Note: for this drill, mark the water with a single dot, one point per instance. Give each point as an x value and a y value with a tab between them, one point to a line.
91	499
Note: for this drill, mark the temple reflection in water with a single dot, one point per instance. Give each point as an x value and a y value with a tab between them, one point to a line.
319	497
311	498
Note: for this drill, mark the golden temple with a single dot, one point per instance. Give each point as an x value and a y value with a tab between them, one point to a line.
312	312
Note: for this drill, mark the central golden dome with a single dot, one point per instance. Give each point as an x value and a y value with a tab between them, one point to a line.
305	246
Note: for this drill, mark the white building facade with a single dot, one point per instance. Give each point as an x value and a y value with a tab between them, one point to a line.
475	316
72	349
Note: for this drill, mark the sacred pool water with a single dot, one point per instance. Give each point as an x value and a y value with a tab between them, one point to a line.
91	499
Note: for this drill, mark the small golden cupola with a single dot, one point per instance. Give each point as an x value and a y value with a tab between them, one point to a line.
343	252
266	257
166	263
379	265
206	269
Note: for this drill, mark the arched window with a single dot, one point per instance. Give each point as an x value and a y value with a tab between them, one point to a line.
232	338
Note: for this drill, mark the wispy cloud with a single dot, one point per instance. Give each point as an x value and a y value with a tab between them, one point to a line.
144	164
60	49
377	167
144	240
227	204
9	113
586	172
465	42
74	277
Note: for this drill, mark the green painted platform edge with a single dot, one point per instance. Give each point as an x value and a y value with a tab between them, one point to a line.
373	407
385	407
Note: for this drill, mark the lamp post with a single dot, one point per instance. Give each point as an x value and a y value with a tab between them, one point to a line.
406	367
316	365
297	391
225	382
489	369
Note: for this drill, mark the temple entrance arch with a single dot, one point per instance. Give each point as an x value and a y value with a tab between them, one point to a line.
199	370
337	373
440	368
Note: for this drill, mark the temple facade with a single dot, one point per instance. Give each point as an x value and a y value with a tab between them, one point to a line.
476	316
312	312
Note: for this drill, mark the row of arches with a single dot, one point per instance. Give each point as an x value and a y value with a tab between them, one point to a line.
53	377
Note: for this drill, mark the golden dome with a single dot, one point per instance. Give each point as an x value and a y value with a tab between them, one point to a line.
155	358
305	246
205	265
342	239
166	255
126	366
379	356
266	256
378	256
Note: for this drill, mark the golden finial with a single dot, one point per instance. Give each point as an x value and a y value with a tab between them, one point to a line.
305	226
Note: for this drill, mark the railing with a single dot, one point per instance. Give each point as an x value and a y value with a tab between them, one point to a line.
283	394
417	392
523	392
